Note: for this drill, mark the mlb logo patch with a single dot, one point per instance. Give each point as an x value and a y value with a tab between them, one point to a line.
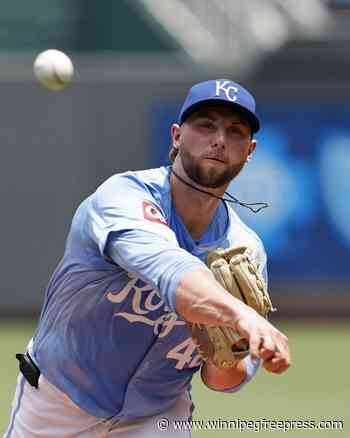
152	213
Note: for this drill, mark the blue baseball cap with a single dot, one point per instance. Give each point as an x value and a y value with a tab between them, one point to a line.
221	91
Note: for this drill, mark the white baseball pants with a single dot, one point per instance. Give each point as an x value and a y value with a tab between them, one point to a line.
48	413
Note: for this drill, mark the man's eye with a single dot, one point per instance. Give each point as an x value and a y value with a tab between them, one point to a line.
206	124
237	131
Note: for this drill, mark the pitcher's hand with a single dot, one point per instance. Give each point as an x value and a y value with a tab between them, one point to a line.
265	342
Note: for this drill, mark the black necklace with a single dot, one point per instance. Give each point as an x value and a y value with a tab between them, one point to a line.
229	199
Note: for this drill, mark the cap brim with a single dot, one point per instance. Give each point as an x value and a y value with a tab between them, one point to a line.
248	115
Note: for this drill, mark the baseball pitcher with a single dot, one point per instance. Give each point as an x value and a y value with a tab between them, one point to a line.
159	279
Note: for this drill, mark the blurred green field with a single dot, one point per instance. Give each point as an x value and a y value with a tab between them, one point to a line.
315	388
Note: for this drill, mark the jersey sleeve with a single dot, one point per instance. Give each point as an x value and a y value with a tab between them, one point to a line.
260	257
153	259
129	226
262	262
123	202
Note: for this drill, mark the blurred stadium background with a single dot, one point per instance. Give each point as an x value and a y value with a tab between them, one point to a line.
134	61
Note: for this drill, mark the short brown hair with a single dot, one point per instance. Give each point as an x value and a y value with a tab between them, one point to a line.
173	153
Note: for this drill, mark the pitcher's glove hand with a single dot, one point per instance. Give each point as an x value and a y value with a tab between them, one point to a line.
235	270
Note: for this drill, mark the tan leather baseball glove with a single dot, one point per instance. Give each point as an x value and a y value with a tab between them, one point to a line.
235	270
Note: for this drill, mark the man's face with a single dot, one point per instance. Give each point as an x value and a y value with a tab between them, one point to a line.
214	144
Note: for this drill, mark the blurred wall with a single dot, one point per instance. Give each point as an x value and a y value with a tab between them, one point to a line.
79	25
58	147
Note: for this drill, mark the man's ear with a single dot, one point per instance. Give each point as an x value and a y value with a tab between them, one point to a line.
175	131
252	147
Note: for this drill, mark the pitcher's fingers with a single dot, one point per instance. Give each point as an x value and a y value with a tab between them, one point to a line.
266	354
276	364
276	368
273	368
282	360
268	344
284	352
254	346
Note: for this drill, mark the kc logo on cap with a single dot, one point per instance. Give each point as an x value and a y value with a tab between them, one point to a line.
220	91
230	92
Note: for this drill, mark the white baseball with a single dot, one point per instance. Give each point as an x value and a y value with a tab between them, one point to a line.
53	69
